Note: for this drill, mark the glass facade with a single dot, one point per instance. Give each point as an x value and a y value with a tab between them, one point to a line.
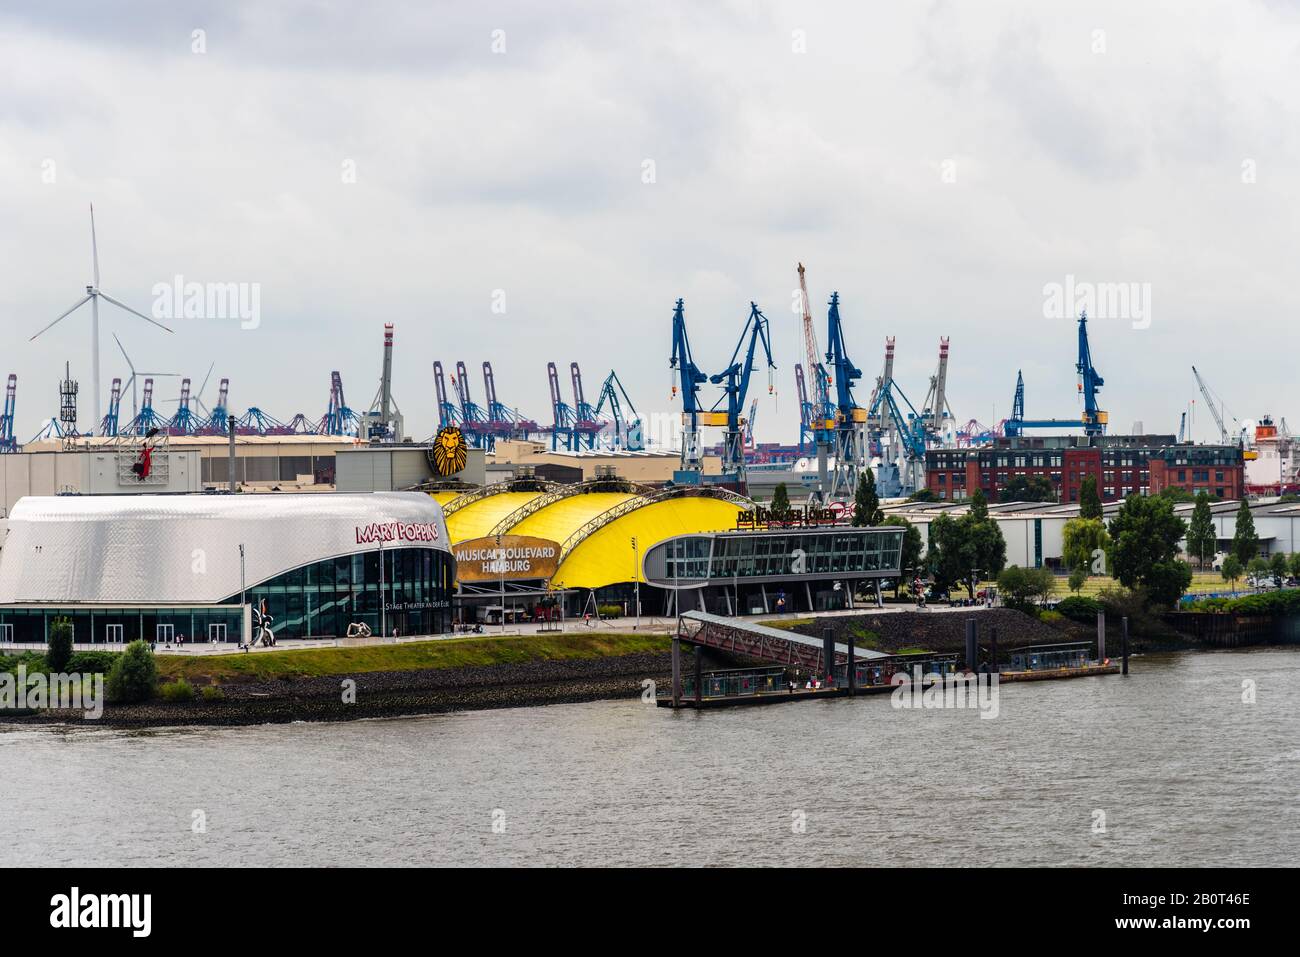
318	600
851	552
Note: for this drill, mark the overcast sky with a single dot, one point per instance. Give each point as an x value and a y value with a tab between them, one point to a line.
939	164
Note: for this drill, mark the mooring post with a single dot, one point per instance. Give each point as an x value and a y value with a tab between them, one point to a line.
1123	642
699	672
993	650
1101	636
828	656
972	638
677	671
852	670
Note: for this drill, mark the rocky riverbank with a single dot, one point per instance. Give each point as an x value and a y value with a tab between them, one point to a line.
390	693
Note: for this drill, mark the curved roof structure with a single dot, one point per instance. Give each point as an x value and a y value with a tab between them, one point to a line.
605	556
185	548
480	517
596	527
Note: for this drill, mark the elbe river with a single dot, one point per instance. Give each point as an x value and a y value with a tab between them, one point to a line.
1166	767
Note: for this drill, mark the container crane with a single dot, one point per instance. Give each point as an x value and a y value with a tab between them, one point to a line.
735	385
7	441
338	418
184	422
448	412
850	418
749	424
936	416
146	418
562	429
472	417
109	425
627	431
587	425
503	422
690	377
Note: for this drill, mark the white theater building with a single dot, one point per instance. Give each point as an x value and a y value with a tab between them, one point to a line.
122	567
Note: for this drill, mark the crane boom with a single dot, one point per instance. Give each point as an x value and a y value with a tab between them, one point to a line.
1214	408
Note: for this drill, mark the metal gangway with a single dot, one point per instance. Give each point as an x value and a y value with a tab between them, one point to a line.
760	641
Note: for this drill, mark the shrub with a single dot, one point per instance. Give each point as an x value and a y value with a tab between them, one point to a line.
31	660
178	690
1024	588
92	662
1078	577
1080	609
610	611
212	693
134	674
60	650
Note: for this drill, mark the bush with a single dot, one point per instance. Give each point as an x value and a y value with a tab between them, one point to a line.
610	611
31	660
92	662
178	690
1080	609
212	693
60	650
1024	588
134	675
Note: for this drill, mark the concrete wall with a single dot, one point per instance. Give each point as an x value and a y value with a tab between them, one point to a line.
370	468
88	473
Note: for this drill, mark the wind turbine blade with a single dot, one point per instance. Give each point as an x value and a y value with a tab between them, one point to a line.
94	247
124	355
80	303
205	380
122	305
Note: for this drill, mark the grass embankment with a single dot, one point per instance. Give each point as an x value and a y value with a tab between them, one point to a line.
447	653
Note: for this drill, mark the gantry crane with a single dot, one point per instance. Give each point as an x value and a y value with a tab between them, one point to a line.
7	441
818	420
473	419
1216	409
1093	419
109	424
503	422
586	425
561	431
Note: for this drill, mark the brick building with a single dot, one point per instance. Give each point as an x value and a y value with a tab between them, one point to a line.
1122	465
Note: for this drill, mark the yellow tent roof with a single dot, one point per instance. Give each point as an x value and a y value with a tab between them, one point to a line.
478	518
606	557
442	498
562	518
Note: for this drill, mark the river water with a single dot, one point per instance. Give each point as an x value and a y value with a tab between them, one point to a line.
1183	770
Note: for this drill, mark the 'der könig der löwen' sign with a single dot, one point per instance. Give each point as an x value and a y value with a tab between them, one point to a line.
510	557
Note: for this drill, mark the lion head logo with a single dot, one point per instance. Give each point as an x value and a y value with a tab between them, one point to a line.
449	451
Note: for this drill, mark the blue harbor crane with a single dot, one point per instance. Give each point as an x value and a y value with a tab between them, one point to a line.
735	385
561	431
1093	420
109	424
627	430
850	418
7	441
473	419
690	377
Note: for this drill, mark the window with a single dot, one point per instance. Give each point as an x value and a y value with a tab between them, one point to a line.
113	634
164	634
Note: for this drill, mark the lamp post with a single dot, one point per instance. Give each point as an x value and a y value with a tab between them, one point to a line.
243	602
636	578
501	570
383	597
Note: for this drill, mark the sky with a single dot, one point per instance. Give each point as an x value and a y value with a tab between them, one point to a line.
525	183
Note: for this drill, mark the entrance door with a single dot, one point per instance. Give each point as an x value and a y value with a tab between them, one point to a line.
217	631
163	634
6	634
113	634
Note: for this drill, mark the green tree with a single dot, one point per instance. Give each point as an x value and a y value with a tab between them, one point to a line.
1245	543
780	507
1024	588
60	650
866	503
1257	567
1231	570
1177	495
134	675
923	495
1279	566
961	549
1089	500
1201	536
1082	538
910	559
1144	547
1033	488
1077	577
1295	564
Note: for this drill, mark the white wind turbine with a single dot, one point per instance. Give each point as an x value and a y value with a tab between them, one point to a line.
131	381
93	295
